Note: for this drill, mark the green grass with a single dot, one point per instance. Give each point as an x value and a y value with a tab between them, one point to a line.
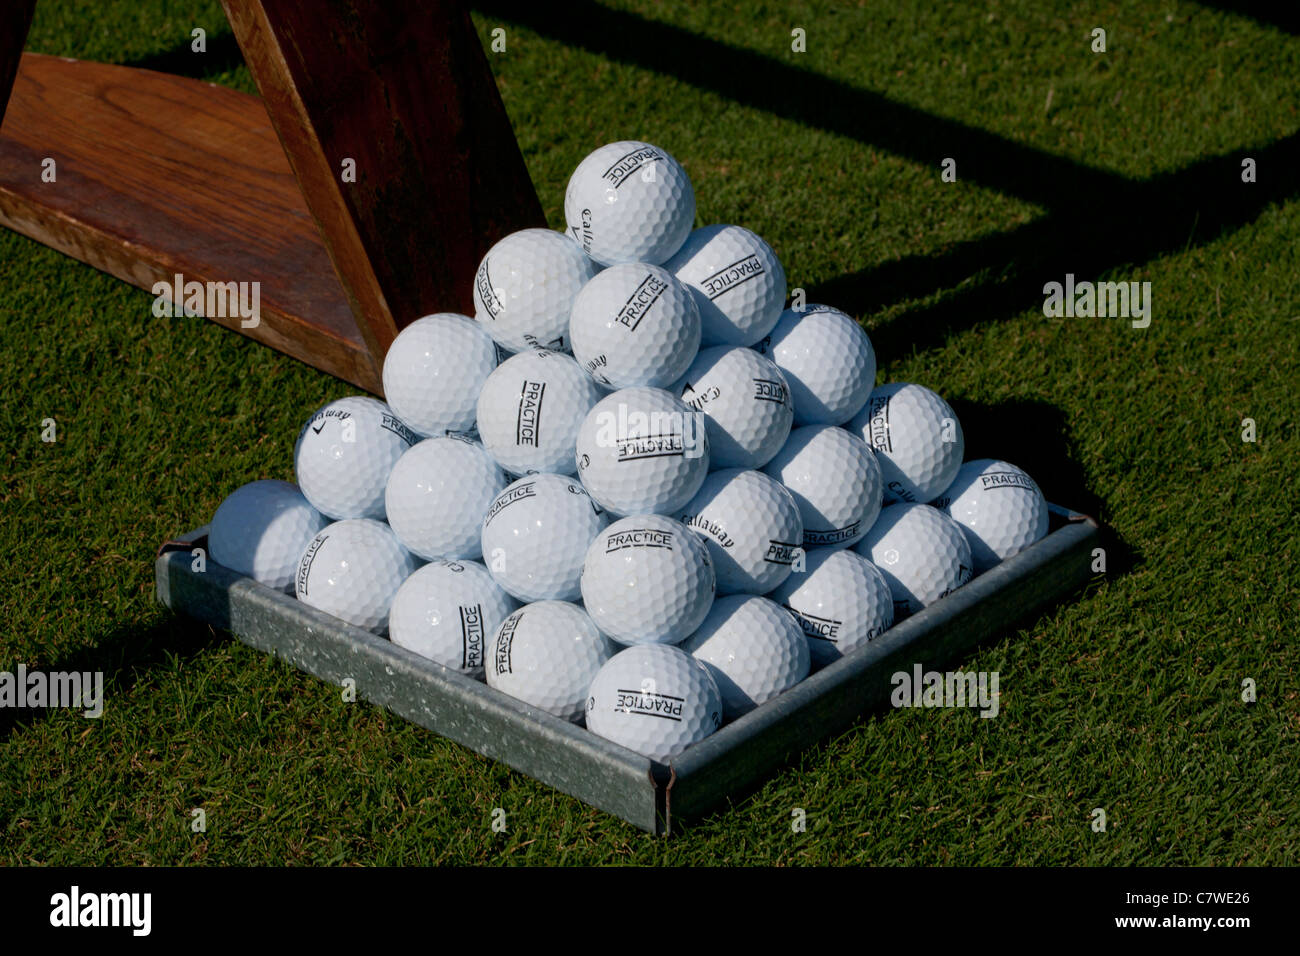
1126	697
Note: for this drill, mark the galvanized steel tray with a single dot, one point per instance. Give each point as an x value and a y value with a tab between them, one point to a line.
647	794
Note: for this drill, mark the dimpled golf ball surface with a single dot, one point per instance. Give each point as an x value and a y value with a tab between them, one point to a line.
752	528
745	401
525	286
827	360
647	579
261	529
999	508
629	202
344	455
840	600
536	534
634	324
448	611
922	553
753	649
654	699
547	654
916	436
738	280
640	450
437	494
352	570
434	370
530	410
835	481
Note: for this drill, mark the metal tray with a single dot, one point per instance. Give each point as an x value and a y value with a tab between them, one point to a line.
643	792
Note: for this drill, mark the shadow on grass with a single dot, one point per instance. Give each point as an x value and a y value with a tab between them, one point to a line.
124	657
1283	14
1097	220
222	55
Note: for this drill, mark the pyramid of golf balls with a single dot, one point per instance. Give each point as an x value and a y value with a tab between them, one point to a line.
634	490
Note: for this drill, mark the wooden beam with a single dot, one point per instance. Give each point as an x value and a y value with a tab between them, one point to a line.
402	89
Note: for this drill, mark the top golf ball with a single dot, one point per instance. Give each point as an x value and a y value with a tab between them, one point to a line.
629	202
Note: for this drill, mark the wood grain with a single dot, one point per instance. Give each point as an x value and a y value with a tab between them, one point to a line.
403	88
159	175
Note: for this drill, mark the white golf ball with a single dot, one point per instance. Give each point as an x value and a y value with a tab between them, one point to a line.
536	534
448	611
916	436
629	202
352	570
835	480
525	286
828	361
437	494
640	450
751	525
530	410
738	280
634	324
999	508
753	649
647	579
745	402
922	553
434	370
344	454
261	529
547	654
655	699
840	600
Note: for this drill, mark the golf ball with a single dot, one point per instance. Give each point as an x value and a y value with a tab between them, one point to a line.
434	370
839	599
745	402
828	361
917	438
634	324
437	494
525	286
738	280
835	480
344	454
647	579
547	654
629	202
352	570
536	534
530	410
448	611
752	528
640	450
655	699
753	649
922	553
261	529
999	508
